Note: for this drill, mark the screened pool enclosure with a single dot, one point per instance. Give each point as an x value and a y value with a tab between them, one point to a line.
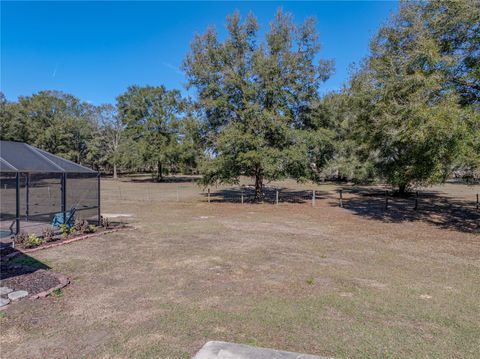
39	189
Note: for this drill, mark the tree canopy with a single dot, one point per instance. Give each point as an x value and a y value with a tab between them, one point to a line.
409	115
256	98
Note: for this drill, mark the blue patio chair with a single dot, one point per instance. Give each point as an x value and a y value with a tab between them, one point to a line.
57	220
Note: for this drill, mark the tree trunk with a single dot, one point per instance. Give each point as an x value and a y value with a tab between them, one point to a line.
159	171
115	171
258	184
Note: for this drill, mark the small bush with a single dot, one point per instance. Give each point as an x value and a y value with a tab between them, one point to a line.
72	231
91	229
64	230
48	234
81	225
33	241
105	222
21	238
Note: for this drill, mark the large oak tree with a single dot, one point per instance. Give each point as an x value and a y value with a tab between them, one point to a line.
256	96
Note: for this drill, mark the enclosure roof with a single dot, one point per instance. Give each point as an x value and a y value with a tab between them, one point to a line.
21	157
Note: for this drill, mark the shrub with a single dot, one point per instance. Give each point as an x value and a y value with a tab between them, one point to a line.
33	241
105	222
91	229
64	230
81	225
48	234
21	238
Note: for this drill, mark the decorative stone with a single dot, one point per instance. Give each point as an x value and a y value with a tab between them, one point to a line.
19	294
5	290
223	350
4	301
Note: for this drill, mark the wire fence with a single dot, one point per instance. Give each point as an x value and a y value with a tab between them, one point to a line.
453	206
352	197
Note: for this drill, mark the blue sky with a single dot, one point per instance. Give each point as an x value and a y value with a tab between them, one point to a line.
95	50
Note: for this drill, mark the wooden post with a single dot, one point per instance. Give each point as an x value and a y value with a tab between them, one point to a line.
416	201
341	199
386	199
478	204
242	197
313	198
276	196
209	195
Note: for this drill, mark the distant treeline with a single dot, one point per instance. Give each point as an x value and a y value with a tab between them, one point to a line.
409	115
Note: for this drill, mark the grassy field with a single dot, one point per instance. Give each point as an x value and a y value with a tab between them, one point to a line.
356	282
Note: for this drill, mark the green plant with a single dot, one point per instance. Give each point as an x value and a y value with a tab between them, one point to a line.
252	342
33	241
310	281
48	234
57	293
64	230
91	229
73	230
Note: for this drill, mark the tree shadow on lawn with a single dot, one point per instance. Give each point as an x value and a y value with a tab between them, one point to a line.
285	195
165	179
447	213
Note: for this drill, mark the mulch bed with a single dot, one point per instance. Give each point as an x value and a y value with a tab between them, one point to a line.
33	280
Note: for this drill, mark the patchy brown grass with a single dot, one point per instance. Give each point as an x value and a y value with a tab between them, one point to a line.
330	281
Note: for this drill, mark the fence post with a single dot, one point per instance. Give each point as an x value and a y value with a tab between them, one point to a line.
478	204
313	198
209	195
242	196
276	196
416	200
386	199
341	199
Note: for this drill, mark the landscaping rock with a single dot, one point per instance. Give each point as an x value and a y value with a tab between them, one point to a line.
5	290
19	294
223	350
4	301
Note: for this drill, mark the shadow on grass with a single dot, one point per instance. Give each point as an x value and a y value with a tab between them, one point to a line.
447	213
165	179
285	195
19	265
